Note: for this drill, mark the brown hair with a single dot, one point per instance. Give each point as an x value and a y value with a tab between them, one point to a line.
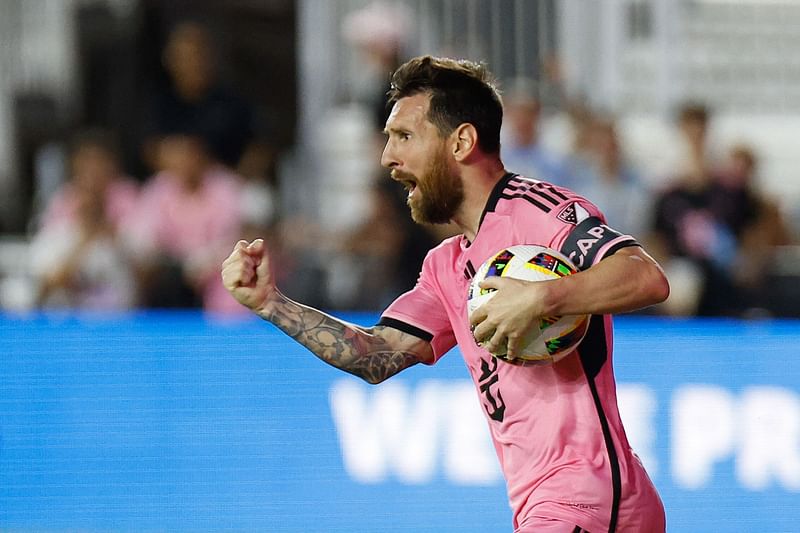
461	91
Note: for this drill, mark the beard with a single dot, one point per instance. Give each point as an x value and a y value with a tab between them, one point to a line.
439	193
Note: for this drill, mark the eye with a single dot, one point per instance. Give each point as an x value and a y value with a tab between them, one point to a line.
398	135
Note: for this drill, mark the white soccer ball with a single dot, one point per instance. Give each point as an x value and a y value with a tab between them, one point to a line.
556	337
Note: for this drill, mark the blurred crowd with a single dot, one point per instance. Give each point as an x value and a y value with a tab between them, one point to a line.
707	221
107	241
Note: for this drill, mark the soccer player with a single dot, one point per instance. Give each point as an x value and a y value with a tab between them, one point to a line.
556	428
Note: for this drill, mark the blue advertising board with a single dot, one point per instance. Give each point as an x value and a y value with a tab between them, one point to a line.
180	422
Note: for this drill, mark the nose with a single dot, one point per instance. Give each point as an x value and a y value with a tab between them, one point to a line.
388	159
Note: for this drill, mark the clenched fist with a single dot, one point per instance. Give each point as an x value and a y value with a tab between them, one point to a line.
247	275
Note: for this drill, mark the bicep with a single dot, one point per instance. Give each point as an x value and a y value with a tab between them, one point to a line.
653	279
626	280
636	251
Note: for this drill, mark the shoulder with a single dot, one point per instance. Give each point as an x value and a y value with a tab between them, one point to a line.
528	198
445	251
439	261
521	194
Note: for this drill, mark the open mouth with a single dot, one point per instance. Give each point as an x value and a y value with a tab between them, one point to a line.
406	181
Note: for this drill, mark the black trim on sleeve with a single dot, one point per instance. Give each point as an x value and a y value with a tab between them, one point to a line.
405	328
620	245
588	238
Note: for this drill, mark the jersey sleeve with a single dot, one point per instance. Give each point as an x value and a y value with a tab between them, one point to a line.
420	312
585	237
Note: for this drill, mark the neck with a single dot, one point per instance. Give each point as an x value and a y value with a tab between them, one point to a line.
479	181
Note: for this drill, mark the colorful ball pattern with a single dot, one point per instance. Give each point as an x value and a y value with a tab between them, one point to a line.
556	337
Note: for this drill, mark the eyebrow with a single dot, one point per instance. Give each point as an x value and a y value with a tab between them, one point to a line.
388	131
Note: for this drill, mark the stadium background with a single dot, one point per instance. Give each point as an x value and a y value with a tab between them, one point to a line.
178	420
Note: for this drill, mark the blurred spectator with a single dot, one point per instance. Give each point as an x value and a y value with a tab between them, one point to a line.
196	102
77	257
565	117
719	232
261	194
522	149
769	229
695	154
94	168
379	32
601	172
382	257
187	218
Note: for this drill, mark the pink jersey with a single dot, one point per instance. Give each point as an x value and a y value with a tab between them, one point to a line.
556	428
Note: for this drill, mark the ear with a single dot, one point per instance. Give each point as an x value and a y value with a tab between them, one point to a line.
465	141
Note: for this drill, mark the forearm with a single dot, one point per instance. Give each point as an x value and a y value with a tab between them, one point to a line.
626	281
346	346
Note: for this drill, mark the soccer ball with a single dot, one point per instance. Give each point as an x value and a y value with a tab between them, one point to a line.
557	336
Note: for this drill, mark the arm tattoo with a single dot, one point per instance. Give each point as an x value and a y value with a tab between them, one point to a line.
339	344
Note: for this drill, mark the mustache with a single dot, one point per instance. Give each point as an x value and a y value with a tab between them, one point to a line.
399	175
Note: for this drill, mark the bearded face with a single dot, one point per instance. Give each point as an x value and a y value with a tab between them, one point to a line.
435	196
